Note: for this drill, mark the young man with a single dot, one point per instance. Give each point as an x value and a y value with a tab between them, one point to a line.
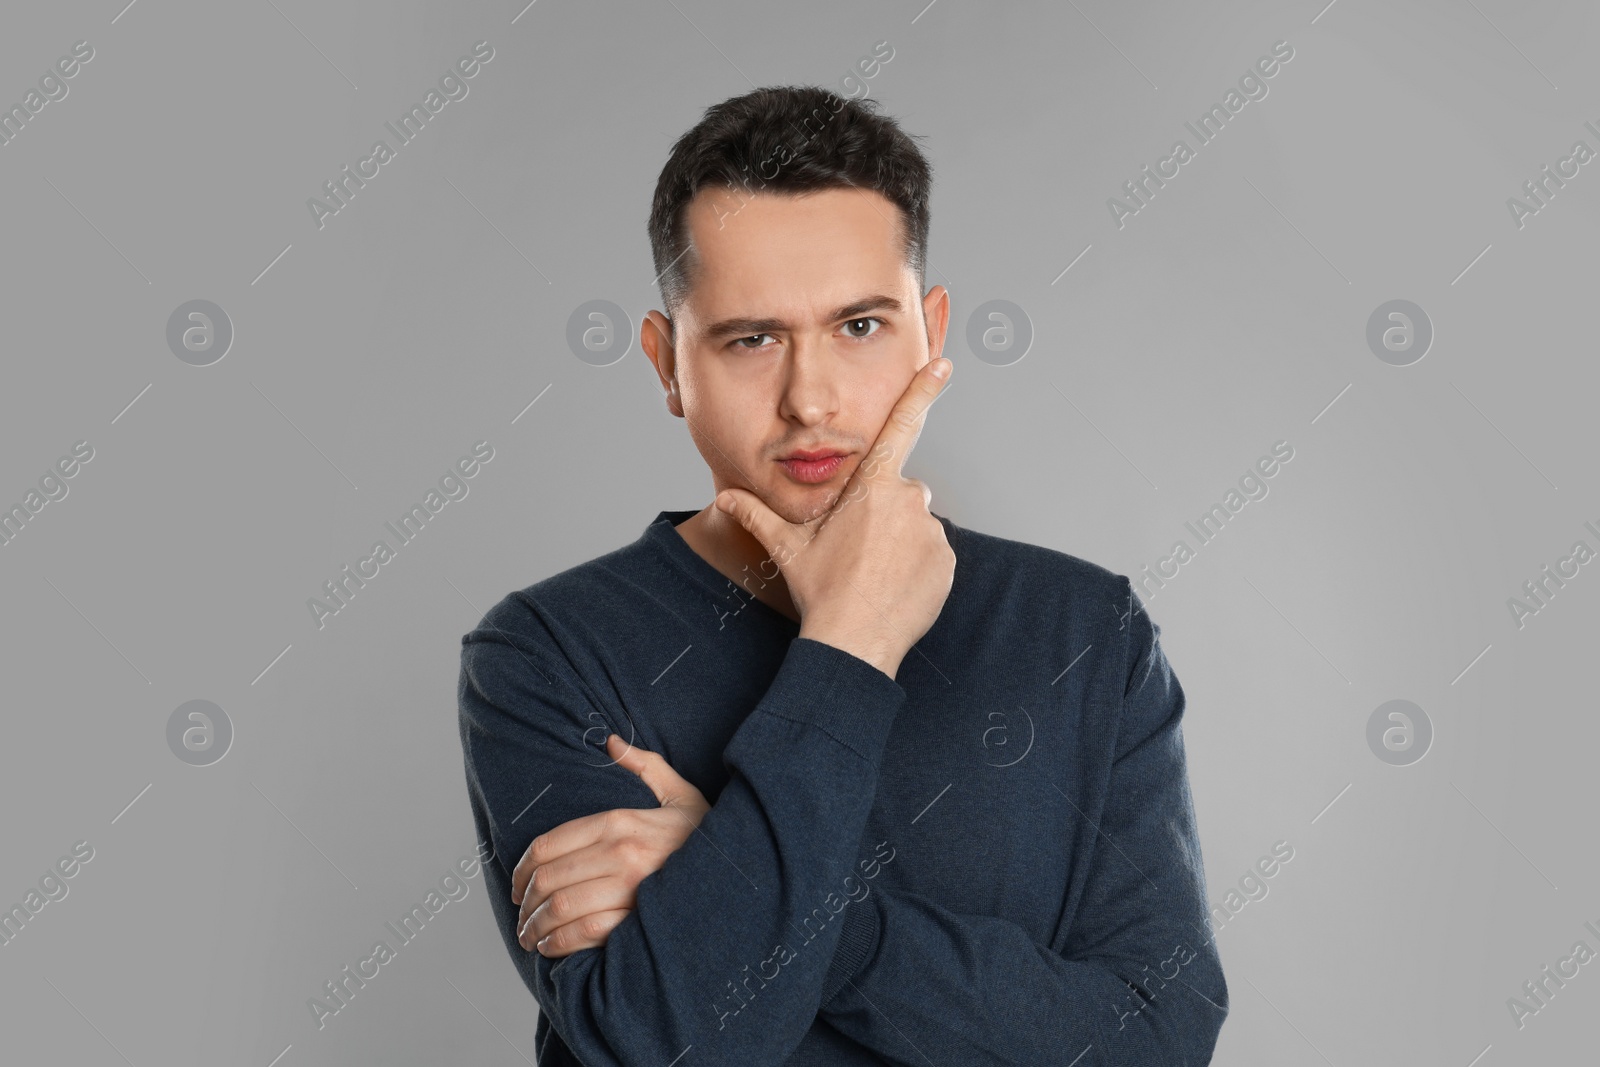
822	777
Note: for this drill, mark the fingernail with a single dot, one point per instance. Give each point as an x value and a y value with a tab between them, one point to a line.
541	944
941	368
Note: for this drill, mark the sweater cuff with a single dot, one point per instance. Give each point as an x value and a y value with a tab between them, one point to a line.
846	697
858	942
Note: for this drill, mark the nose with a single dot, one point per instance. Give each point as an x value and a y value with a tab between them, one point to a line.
810	386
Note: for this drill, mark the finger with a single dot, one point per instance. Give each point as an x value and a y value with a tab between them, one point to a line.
775	534
599	860
606	858
567	837
671	788
904	424
572	902
591	931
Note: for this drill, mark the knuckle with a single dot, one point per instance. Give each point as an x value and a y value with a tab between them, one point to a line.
624	849
592	927
635	868
559	904
626	827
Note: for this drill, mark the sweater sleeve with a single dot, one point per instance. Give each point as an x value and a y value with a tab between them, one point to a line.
727	947
1138	980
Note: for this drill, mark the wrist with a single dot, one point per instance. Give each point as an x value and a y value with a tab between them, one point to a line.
884	655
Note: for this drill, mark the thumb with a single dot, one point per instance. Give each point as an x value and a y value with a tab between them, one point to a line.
671	789
765	525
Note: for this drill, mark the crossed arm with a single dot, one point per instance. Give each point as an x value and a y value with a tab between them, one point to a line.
759	870
1137	978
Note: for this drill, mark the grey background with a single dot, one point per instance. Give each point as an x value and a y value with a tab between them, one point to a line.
1228	314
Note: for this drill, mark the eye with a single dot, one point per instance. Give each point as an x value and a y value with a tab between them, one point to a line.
753	337
849	327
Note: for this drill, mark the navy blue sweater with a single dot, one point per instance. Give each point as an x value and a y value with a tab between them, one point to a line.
989	859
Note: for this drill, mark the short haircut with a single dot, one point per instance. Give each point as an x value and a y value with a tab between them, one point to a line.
789	139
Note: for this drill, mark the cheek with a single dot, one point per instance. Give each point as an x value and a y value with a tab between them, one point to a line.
875	399
724	422
715	407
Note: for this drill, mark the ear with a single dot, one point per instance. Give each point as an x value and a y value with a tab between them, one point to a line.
655	337
936	313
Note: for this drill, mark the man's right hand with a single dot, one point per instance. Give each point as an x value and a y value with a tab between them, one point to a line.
870	575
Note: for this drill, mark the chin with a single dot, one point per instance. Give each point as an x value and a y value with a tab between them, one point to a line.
800	505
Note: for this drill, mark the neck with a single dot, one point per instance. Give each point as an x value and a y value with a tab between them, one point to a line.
736	554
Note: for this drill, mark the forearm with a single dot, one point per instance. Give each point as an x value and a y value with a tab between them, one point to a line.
1132	975
980	991
728	944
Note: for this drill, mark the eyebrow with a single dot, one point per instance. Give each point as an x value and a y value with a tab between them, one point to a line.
742	327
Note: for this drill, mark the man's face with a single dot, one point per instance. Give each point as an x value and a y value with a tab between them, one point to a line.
803	328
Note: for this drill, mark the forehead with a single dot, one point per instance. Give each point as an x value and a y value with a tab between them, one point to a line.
771	253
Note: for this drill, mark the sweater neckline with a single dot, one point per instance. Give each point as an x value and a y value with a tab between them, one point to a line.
662	533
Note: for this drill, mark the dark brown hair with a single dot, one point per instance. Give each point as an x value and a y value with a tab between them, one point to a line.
786	139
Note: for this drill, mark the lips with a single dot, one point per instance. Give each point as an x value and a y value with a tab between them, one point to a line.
812	457
812	466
